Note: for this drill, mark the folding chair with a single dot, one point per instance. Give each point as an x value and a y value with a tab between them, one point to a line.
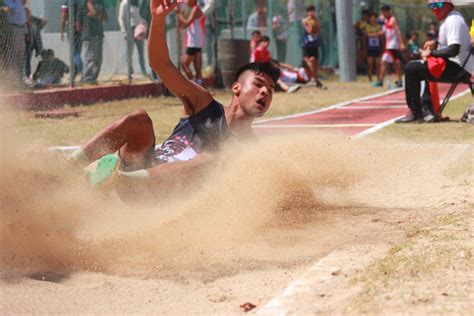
463	77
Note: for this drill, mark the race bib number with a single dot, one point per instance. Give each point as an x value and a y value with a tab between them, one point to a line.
374	42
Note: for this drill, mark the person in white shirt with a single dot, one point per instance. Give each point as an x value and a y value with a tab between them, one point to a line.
442	60
137	31
195	25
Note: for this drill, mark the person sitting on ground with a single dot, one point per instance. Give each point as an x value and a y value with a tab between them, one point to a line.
262	54
254	41
195	39
295	77
442	60
50	70
196	138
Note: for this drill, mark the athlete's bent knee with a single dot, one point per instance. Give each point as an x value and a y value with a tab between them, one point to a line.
140	117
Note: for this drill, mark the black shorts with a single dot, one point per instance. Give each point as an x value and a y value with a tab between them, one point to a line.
311	52
191	51
374	52
392	55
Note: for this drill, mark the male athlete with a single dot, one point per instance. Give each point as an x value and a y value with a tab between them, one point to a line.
195	139
443	59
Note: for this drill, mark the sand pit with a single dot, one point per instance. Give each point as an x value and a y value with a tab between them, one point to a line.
242	233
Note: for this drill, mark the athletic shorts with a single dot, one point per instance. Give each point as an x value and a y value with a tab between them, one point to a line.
311	52
191	51
392	56
374	52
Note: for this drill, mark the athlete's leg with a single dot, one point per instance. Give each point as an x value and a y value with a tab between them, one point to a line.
378	70
131	135
187	60
370	67
398	70
198	66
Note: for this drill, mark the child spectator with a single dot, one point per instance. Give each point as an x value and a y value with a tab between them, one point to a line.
262	54
256	38
33	41
195	27
374	46
432	34
50	70
414	50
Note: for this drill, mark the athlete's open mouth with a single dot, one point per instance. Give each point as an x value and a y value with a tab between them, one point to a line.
261	102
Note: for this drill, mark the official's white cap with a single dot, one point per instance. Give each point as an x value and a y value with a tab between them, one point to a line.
436	1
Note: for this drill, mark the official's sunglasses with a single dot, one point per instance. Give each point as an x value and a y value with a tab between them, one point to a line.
436	6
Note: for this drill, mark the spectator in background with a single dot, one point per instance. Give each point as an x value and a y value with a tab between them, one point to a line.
15	30
77	35
257	21
414	50
311	42
254	41
208	9
432	34
195	40
138	31
93	37
280	34
33	41
394	44
3	34
361	39
262	54
50	70
374	41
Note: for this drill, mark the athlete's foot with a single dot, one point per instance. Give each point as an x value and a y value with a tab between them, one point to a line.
398	84
321	86
377	84
106	174
294	88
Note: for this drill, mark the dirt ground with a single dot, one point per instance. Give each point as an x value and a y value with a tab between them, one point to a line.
247	230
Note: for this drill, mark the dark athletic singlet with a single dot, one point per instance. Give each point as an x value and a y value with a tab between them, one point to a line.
203	131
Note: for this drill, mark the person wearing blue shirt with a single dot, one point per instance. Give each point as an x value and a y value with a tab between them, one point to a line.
14	37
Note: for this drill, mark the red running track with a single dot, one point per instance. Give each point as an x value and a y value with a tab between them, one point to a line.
354	118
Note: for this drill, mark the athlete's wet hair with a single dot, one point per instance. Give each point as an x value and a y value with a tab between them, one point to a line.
266	68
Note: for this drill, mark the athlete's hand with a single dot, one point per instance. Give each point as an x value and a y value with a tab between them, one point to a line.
429	45
161	8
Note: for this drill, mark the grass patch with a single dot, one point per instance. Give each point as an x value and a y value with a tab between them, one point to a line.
428	273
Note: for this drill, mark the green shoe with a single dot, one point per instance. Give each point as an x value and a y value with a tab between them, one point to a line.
377	84
106	173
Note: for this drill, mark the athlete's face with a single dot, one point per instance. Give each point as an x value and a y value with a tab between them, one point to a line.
386	13
254	92
312	13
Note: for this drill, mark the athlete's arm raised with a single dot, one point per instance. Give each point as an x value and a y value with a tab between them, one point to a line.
194	97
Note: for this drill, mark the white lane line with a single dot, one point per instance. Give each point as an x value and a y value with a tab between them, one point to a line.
335	106
382	101
363	107
327	275
389	122
315	125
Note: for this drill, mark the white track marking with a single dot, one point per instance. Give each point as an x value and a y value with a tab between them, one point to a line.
335	106
383	102
315	125
374	107
327	274
389	122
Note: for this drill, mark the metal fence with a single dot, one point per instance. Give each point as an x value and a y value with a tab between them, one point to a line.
95	49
